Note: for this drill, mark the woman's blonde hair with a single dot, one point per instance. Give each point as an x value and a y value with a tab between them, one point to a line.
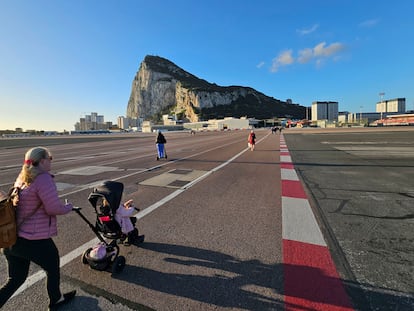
30	168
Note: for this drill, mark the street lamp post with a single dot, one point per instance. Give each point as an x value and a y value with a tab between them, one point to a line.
381	99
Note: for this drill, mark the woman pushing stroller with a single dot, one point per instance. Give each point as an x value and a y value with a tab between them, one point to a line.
37	211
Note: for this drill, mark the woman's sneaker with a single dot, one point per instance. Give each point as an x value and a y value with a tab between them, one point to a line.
64	299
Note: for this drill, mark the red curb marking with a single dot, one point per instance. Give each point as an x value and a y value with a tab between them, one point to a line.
311	280
288	165
293	189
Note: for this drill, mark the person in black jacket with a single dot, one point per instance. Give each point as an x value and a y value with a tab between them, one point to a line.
160	141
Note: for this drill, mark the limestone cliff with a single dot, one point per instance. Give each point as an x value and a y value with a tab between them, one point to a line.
161	87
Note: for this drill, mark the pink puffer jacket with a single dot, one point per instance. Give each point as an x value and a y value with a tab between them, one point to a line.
42	224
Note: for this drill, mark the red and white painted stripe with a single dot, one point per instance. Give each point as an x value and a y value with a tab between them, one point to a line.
311	281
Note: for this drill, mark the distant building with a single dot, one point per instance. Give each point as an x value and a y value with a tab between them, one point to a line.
324	110
396	120
126	123
391	105
92	122
228	123
168	120
363	117
123	123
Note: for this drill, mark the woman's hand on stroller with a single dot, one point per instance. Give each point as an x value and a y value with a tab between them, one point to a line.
74	208
68	205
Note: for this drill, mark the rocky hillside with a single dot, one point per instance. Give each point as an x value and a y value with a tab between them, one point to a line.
161	87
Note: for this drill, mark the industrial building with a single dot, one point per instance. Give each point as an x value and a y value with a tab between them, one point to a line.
396	105
210	125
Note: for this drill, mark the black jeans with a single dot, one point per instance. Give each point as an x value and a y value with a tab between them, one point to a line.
43	253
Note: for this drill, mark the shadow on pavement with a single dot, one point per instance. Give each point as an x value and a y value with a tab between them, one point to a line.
249	284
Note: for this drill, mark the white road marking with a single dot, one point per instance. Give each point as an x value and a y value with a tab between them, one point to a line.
89	170
288	174
299	223
285	159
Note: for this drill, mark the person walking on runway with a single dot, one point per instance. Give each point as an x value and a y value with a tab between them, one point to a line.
251	140
160	142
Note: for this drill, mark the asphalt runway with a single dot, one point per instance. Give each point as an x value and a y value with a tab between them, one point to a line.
212	218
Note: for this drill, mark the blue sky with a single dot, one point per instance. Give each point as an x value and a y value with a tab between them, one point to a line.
60	60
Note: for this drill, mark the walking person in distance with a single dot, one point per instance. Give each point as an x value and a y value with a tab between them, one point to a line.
160	142
251	140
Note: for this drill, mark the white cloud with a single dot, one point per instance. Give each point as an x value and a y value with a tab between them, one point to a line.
285	58
321	51
317	54
305	55
260	65
307	31
318	63
369	23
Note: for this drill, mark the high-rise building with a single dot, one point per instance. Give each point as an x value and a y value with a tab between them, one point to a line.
92	122
324	110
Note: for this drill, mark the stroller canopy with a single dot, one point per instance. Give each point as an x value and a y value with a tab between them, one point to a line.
111	191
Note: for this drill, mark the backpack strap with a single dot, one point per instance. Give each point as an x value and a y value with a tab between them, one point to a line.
15	192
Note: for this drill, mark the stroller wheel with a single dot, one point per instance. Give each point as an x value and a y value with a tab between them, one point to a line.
118	264
85	254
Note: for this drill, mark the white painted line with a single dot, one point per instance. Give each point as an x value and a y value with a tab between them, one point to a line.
90	170
285	159
299	223
161	202
288	174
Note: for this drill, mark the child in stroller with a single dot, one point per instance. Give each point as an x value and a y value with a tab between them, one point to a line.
106	200
114	220
123	217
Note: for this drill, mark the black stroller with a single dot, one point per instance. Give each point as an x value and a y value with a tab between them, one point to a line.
106	199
